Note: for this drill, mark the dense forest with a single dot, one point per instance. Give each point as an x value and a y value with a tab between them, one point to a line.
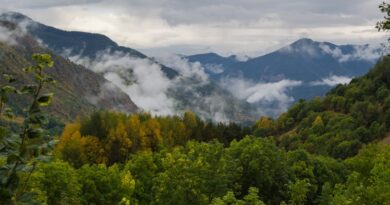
330	150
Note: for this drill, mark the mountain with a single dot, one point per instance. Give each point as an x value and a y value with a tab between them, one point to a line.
214	64
304	60
317	65
342	122
134	73
78	91
75	43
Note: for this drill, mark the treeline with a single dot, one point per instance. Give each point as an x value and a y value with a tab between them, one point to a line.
250	171
109	137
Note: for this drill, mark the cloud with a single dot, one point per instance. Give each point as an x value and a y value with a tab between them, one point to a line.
223	26
11	33
241	57
303	49
149	88
366	52
214	68
186	69
8	36
332	81
263	94
141	79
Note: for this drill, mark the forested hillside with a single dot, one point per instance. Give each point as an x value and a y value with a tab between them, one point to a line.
322	151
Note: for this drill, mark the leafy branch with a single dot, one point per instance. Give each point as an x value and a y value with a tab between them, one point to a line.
21	151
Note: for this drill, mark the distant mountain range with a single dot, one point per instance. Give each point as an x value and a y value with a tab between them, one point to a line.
305	60
129	69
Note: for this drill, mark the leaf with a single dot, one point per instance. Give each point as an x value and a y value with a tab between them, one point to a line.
49	80
43	60
30	89
9	78
34	133
29	69
45	99
27	198
8	89
44	158
9	113
38	118
12	158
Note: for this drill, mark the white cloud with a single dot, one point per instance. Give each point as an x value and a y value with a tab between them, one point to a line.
8	36
274	93
304	49
149	88
369	53
332	81
214	68
241	57
185	68
141	79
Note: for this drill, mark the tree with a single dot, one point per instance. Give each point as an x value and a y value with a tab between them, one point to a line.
118	144
195	174
144	170
105	185
56	183
384	25
23	150
229	199
264	165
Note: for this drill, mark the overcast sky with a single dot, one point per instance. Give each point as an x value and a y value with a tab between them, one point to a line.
242	27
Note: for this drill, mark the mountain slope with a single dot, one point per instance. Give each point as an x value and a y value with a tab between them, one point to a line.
74	43
214	64
313	67
78	91
338	125
304	60
171	91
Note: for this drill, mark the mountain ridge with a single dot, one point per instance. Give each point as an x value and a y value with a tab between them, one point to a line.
77	91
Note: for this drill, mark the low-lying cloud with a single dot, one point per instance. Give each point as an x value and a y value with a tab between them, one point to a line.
332	81
364	52
10	34
263	93
141	79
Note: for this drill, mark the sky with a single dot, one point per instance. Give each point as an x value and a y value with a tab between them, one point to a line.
242	27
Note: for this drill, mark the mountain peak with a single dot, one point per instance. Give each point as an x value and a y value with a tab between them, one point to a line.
210	54
13	16
303	42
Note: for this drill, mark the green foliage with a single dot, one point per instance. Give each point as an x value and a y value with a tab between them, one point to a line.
144	169
23	150
369	183
195	174
104	185
55	183
264	166
384	24
338	125
229	199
